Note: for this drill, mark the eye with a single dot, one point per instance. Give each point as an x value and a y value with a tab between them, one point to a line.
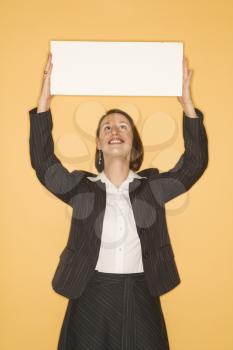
107	127
124	126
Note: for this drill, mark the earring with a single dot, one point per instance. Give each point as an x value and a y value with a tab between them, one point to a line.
100	160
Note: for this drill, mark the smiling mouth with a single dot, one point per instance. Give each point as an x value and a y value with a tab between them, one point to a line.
118	142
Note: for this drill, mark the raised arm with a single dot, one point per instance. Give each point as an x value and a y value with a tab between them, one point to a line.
193	162
49	169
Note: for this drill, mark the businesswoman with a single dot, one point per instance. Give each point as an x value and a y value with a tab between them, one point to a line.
118	259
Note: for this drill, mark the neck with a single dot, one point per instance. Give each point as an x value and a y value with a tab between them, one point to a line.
116	171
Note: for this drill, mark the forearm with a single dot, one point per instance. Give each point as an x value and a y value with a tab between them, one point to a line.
195	140
43	105
189	109
192	162
49	169
41	141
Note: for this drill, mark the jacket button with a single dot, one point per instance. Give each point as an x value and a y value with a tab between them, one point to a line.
145	255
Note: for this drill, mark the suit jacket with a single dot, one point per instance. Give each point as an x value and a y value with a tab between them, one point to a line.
148	197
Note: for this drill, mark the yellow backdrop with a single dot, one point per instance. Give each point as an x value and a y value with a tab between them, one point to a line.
35	224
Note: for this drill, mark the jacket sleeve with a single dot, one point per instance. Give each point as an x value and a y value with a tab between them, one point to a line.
49	169
192	162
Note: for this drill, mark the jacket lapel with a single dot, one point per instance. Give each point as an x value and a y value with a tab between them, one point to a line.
134	186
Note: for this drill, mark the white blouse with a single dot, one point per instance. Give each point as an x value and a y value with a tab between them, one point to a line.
120	249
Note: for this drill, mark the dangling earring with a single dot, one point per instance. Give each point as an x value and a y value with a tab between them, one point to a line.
100	160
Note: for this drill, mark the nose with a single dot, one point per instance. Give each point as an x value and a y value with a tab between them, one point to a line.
114	129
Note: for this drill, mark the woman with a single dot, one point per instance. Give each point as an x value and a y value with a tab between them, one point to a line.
118	259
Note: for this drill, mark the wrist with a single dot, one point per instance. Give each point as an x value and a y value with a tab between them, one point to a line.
43	104
188	108
187	104
190	111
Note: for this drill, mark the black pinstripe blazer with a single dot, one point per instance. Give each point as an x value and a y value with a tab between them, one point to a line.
88	201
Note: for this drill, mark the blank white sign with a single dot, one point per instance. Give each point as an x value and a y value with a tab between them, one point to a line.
116	68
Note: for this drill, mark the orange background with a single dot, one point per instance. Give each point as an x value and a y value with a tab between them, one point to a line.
35	224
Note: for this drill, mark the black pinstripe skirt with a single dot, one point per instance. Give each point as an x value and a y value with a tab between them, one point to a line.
115	312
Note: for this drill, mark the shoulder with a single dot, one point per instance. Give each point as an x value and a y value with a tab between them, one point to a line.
81	175
150	173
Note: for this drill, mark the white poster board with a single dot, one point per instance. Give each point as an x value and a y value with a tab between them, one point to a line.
116	68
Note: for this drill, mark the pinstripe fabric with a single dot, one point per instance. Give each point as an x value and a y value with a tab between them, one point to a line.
88	201
115	312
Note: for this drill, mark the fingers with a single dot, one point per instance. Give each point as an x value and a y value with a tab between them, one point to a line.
48	68
185	67
49	58
190	75
48	62
187	73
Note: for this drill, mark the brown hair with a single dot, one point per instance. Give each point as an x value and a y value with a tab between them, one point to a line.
137	151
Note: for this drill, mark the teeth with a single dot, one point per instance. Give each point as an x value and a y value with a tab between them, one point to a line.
115	141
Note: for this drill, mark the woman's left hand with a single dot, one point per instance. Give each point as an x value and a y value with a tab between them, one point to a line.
186	99
187	74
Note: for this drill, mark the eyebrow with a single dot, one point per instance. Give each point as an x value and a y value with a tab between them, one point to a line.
122	121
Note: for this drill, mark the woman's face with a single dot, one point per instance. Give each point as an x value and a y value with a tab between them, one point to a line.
116	127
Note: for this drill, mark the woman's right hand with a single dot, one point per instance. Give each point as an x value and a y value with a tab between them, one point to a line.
45	96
